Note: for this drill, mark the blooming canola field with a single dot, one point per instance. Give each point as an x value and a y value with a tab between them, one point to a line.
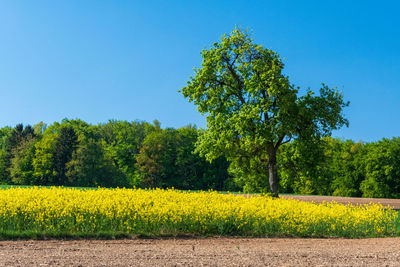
68	212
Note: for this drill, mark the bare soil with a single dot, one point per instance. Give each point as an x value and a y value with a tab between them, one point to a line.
203	252
210	251
393	203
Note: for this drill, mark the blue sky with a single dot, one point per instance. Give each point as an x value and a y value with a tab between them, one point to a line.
126	60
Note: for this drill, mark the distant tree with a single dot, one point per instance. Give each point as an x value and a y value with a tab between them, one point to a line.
251	107
18	136
43	162
121	141
4	174
187	164
382	169
64	147
156	160
90	166
193	171
346	164
167	159
39	128
5	134
21	169
304	167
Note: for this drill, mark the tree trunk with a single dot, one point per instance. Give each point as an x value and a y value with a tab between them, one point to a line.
273	174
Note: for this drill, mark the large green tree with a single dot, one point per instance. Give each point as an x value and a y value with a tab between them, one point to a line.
252	108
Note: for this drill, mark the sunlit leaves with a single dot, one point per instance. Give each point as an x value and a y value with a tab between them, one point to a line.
251	107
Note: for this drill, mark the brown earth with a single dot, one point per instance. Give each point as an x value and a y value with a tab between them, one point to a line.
393	203
210	251
203	252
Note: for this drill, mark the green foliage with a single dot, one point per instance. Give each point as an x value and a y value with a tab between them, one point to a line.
252	109
39	128
15	158
74	153
250	174
18	135
326	167
141	154
195	172
65	145
4	175
21	169
5	134
302	167
44	173
346	167
166	159
382	169
156	160
121	141
90	166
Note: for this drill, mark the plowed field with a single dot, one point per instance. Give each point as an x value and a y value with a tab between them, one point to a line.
203	252
394	203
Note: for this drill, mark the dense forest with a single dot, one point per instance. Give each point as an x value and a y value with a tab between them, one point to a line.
142	154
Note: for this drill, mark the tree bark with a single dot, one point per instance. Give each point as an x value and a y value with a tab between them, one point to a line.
273	174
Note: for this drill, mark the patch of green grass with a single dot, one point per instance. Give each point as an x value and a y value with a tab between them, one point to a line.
398	224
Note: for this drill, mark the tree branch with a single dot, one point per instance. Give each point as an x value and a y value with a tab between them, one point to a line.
237	78
233	72
265	112
280	141
287	141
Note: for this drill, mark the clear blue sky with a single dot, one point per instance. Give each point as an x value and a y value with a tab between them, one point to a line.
126	60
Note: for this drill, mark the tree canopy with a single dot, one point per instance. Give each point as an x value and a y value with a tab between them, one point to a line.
127	154
252	109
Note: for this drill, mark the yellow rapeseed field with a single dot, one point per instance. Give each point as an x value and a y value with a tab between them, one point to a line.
65	211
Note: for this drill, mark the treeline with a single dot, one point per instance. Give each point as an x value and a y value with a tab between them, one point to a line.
342	168
141	154
115	154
